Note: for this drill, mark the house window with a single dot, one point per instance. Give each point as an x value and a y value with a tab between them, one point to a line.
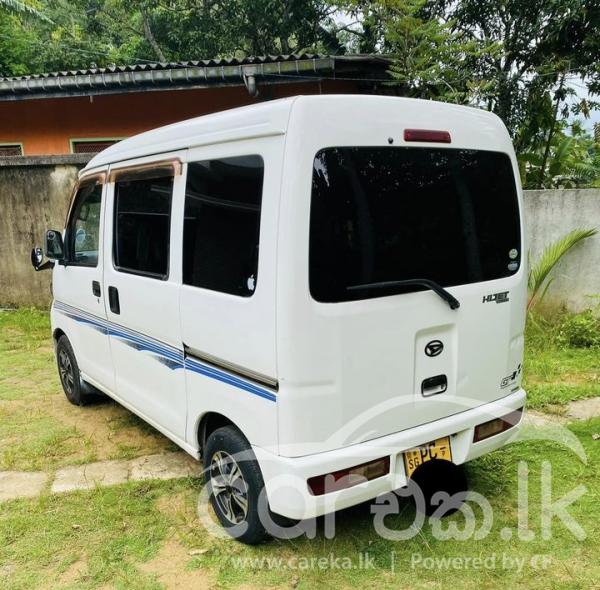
11	149
91	146
222	224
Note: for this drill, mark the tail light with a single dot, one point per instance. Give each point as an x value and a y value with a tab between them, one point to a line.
427	135
497	425
346	478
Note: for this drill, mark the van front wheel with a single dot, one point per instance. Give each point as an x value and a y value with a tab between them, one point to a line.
235	485
68	371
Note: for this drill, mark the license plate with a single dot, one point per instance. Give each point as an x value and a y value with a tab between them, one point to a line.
437	449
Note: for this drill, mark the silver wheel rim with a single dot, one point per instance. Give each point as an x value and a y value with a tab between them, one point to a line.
65	368
229	487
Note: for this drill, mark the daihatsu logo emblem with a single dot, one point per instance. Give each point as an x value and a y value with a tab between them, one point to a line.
434	348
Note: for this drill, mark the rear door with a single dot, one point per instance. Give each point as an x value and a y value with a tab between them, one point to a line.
77	284
378	355
141	281
381	220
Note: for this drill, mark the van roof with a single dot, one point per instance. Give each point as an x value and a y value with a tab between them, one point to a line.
260	120
253	121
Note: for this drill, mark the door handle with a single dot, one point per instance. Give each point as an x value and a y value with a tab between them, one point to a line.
113	300
434	385
96	288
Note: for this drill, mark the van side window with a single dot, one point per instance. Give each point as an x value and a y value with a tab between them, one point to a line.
222	224
83	230
142	226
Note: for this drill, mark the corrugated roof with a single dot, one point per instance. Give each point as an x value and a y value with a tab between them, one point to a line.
157	66
205	72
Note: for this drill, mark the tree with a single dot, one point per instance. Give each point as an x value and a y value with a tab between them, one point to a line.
570	160
430	59
537	47
183	29
79	33
21	8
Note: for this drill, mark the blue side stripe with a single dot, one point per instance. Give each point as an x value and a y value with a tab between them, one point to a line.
171	357
126	334
197	367
173	362
122	332
147	345
86	321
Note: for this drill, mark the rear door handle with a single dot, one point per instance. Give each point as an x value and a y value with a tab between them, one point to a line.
434	385
96	288
113	300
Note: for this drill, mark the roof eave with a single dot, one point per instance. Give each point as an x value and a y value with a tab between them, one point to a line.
117	81
107	82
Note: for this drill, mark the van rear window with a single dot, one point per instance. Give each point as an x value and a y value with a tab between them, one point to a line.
382	214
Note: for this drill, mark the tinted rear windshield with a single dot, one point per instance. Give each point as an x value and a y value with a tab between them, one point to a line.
382	214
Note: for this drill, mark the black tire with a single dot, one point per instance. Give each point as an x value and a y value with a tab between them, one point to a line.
68	372
228	488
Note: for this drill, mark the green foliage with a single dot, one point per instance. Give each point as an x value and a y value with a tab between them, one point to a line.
430	58
80	33
15	50
503	56
521	63
538	279
573	160
22	8
580	330
539	47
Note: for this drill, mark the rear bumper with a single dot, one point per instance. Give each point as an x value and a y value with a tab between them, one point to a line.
285	477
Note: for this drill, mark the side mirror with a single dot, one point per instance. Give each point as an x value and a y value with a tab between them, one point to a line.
37	260
55	249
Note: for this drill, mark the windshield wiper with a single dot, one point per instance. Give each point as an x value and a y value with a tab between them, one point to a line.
435	287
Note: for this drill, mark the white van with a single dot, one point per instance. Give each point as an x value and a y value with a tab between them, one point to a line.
334	284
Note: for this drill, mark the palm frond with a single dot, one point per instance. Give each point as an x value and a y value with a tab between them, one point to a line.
563	148
551	256
19	7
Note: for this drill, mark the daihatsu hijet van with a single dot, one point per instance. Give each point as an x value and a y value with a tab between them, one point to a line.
317	295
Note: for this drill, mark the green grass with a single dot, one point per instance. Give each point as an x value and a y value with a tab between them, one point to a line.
574	564
111	528
26	355
555	374
116	530
113	534
32	441
39	430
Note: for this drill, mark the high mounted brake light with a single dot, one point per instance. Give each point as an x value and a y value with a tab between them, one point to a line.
427	135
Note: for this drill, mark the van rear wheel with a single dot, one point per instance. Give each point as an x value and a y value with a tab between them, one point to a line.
235	485
68	371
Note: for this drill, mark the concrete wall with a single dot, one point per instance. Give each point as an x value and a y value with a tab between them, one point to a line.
34	194
549	215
